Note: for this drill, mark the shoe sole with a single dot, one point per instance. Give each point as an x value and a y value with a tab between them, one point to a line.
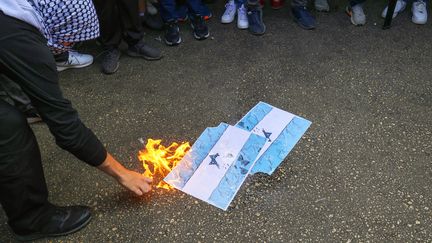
201	38
259	33
173	43
148	58
227	22
39	236
114	71
304	26
243	27
62	68
349	13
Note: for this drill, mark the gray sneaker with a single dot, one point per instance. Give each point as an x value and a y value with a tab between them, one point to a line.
322	5
357	15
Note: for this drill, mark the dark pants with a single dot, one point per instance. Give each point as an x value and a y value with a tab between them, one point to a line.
26	61
118	20
355	2
169	9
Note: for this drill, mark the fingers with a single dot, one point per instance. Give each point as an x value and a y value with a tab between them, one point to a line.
137	191
148	179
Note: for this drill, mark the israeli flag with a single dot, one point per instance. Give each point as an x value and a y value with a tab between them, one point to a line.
281	129
217	164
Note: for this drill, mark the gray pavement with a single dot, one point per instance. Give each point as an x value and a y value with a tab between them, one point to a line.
362	172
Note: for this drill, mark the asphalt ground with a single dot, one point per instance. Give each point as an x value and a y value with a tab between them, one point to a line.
361	173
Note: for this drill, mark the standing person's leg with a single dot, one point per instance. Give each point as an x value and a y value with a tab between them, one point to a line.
133	33
419	11
255	17
400	6
302	15
110	33
242	19
198	24
169	16
355	11
24	194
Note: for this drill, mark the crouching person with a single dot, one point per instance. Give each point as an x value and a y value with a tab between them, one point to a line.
26	60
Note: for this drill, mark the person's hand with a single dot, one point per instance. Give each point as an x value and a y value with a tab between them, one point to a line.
135	182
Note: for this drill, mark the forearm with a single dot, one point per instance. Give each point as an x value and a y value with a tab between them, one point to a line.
131	180
112	167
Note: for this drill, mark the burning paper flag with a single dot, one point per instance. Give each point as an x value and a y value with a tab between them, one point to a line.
281	129
217	164
220	160
159	160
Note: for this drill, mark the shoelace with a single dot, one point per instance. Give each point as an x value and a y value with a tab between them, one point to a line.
230	7
421	5
242	12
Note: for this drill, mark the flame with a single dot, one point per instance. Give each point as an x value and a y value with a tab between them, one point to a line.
159	160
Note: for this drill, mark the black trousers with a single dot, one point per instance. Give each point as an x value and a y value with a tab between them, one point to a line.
26	61
118	20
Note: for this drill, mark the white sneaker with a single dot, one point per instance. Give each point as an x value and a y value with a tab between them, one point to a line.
242	19
400	6
151	9
357	15
230	12
419	12
75	60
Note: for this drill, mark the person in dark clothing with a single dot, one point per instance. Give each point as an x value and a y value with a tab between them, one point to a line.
119	20
23	191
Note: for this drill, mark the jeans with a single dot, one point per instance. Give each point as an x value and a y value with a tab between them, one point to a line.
170	10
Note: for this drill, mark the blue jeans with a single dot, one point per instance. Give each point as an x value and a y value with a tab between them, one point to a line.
171	11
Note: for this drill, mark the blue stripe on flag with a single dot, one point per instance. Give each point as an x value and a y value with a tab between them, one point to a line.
238	171
281	147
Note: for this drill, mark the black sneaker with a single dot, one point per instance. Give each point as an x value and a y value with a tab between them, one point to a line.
152	21
62	221
172	33
110	62
199	27
256	24
145	51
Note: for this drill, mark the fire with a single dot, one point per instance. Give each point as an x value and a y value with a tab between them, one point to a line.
159	160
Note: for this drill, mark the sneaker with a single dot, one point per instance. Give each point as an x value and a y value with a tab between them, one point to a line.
32	116
172	34
419	12
75	60
152	8
145	51
230	12
357	15
61	221
276	4
256	24
400	6
303	18
199	27
111	61
152	21
322	5
242	19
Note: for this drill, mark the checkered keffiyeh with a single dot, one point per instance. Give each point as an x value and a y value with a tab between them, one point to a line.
66	22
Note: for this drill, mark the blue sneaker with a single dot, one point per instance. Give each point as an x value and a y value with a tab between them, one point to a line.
256	24
303	18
